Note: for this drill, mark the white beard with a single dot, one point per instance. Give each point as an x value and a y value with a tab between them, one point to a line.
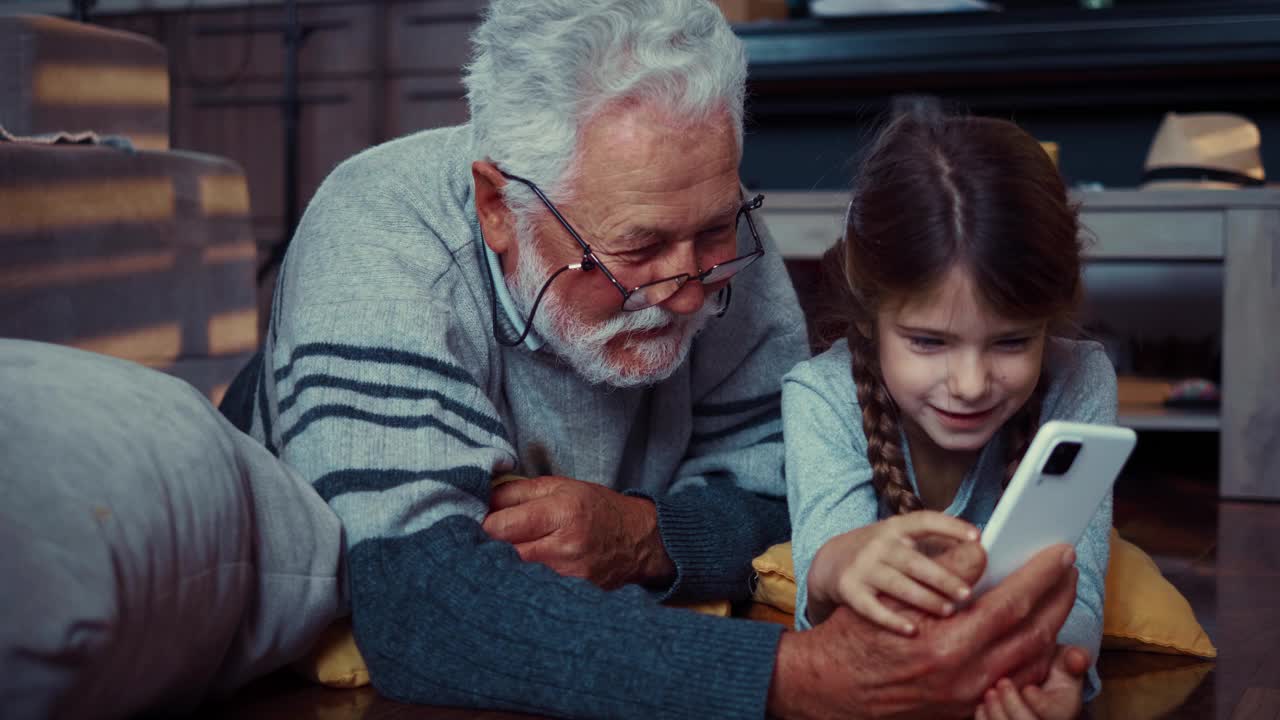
583	346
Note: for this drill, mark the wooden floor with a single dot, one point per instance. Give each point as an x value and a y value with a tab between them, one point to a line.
1224	556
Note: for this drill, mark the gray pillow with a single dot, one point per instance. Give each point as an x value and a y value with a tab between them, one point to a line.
153	554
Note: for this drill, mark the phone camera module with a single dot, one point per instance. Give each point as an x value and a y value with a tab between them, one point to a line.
1061	458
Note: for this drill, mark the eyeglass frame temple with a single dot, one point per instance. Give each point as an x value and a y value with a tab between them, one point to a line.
590	260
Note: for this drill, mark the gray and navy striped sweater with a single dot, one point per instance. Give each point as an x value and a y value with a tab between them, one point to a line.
382	384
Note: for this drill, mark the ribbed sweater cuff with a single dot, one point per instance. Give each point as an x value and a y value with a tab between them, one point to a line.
693	532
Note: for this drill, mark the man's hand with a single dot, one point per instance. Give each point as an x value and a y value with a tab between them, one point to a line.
849	667
580	529
1059	698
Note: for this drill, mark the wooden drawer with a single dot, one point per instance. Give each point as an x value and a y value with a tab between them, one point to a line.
431	37
804	224
204	50
1155	234
419	103
336	123
803	234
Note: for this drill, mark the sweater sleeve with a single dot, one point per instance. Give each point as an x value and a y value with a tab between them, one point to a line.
829	486
378	393
1088	394
727	503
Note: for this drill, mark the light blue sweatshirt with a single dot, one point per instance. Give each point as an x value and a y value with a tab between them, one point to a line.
829	488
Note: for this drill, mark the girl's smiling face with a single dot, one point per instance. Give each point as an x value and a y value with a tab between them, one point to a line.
956	369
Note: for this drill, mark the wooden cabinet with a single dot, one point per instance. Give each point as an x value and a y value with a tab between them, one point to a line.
368	72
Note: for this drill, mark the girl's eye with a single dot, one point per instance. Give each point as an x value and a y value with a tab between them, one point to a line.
1019	343
924	342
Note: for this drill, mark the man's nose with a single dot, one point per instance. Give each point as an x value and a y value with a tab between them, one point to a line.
689	298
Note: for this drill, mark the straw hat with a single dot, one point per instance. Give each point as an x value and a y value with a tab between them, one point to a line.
1204	150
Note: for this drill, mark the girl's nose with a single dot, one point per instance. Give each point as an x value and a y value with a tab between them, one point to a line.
968	378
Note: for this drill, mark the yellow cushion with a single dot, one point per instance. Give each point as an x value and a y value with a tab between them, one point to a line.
1142	611
777	578
335	661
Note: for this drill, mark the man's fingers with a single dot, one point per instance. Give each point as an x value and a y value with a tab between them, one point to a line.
1011	603
515	492
521	523
929	572
539	551
548	552
928	522
1031	644
894	582
1032	673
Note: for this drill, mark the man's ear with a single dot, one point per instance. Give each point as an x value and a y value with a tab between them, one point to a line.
496	221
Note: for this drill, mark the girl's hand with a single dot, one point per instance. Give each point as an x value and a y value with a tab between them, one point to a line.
854	568
1059	698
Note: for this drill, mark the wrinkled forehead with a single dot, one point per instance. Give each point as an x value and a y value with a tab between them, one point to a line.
631	165
647	144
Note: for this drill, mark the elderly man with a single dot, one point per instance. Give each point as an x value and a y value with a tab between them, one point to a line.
572	288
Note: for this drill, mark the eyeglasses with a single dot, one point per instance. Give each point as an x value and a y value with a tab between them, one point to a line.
657	291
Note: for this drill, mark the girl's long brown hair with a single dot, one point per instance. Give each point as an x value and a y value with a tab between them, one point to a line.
935	192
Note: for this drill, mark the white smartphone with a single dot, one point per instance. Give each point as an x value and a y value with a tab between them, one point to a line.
1055	492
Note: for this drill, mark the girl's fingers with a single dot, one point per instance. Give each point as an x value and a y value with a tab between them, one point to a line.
892	581
929	522
981	714
995	708
1014	707
1038	700
1073	662
872	609
916	565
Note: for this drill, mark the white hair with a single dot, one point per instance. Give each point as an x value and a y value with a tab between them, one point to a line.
542	69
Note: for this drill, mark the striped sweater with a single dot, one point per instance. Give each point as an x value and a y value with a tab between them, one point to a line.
383	385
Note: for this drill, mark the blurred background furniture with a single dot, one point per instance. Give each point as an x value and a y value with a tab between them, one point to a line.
68	76
126	248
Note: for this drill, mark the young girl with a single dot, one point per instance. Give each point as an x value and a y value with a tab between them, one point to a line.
961	258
